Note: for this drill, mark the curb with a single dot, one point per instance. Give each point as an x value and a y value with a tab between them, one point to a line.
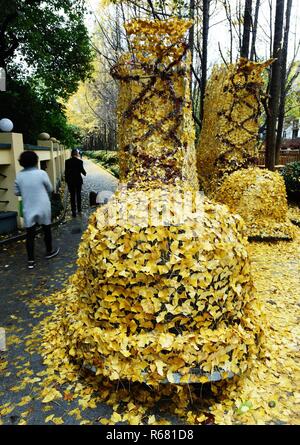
23	235
39	229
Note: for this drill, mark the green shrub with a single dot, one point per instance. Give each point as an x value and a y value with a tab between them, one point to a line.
291	174
114	169
108	160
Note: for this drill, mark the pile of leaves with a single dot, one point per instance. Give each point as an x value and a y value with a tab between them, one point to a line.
259	196
157	300
229	137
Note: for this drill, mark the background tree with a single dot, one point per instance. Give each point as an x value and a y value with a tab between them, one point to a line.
206	17
249	34
253	55
93	107
247	29
275	83
51	40
292	98
45	51
81	108
283	92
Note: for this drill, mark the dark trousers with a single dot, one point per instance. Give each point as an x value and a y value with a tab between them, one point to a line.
75	192
30	236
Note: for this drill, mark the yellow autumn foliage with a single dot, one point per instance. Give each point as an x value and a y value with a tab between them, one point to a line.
229	136
80	106
155	124
163	282
259	196
183	300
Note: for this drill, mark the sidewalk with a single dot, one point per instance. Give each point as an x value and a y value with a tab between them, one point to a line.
20	286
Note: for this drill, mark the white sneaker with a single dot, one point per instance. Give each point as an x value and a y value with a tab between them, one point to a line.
52	254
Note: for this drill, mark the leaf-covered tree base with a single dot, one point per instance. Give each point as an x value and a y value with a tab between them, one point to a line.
155	299
259	196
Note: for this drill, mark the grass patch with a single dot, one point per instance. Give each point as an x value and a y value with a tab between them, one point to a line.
108	159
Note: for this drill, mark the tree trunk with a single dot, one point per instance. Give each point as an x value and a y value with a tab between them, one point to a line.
229	19
247	29
271	27
239	19
254	31
273	103
283	79
118	32
191	39
192	28
206	5
155	15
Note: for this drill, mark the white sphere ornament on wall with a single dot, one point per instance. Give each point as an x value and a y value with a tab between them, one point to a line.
6	125
43	137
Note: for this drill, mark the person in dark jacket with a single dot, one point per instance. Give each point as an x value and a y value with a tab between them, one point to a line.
73	171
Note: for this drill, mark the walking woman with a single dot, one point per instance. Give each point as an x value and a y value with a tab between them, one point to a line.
35	188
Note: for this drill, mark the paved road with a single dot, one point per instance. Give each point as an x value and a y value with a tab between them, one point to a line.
19	286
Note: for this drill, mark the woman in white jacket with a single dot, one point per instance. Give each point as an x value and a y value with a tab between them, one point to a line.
35	188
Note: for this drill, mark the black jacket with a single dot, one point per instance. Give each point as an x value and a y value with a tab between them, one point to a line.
73	171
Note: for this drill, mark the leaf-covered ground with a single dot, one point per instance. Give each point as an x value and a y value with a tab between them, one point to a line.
30	393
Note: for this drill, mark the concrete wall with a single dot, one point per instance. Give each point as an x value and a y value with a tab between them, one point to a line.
11	146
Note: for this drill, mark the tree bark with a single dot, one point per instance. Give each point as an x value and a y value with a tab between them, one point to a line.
254	31
283	79
239	19
229	18
247	29
271	27
191	39
273	103
155	15
206	5
192	28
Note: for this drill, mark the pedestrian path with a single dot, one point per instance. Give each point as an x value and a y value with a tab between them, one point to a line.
20	286
13	256
97	180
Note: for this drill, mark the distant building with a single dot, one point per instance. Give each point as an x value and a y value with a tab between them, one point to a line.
292	131
291	136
